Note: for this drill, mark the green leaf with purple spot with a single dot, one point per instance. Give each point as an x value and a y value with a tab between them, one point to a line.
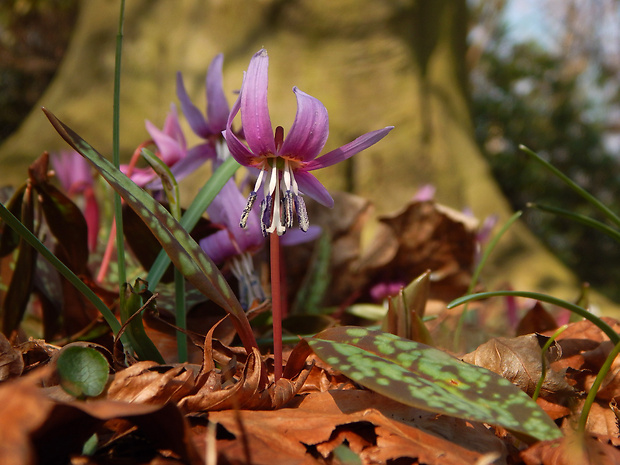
184	252
430	379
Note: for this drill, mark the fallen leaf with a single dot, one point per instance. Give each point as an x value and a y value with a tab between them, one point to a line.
536	320
519	360
571	450
23	409
376	428
11	360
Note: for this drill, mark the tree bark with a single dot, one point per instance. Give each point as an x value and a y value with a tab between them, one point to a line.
371	63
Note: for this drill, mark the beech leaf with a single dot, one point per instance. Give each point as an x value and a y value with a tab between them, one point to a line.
518	360
427	378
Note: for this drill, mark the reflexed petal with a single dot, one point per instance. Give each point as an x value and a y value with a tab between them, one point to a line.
311	186
140	176
348	150
172	127
226	206
254	109
170	150
237	149
195	158
194	116
218	246
297	236
225	210
217	106
309	131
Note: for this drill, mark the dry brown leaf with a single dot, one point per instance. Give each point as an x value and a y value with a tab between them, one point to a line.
519	360
536	320
11	360
571	450
376	428
23	409
150	383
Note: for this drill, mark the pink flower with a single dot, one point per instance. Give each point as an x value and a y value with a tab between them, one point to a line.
284	164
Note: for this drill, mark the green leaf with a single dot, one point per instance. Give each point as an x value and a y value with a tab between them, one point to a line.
83	371
184	252
194	213
430	379
139	340
169	182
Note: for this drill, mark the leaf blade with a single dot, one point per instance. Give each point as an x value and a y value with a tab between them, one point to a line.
430	379
184	252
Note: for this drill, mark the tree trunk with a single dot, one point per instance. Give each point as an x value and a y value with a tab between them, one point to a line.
371	63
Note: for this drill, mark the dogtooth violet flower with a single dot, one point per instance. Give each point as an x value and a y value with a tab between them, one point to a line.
172	149
284	164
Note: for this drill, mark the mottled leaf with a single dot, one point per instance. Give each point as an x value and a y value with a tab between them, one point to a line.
83	371
421	376
184	252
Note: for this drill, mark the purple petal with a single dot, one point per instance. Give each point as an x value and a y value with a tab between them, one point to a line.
172	127
225	210
297	236
218	246
254	110
310	129
311	186
194	116
195	158
170	149
348	150
237	149
140	176
217	106
227	205
72	170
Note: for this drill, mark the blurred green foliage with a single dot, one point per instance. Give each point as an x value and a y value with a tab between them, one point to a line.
33	37
523	93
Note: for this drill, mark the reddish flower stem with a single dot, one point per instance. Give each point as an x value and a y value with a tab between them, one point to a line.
107	255
276	304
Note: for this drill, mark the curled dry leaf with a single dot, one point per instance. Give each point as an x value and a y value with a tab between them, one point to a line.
239	384
150	383
571	450
424	236
519	360
585	348
11	360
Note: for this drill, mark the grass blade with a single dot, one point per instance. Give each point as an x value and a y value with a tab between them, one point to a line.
613	336
574	186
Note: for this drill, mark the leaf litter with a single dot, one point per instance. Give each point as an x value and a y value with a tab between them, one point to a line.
225	404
